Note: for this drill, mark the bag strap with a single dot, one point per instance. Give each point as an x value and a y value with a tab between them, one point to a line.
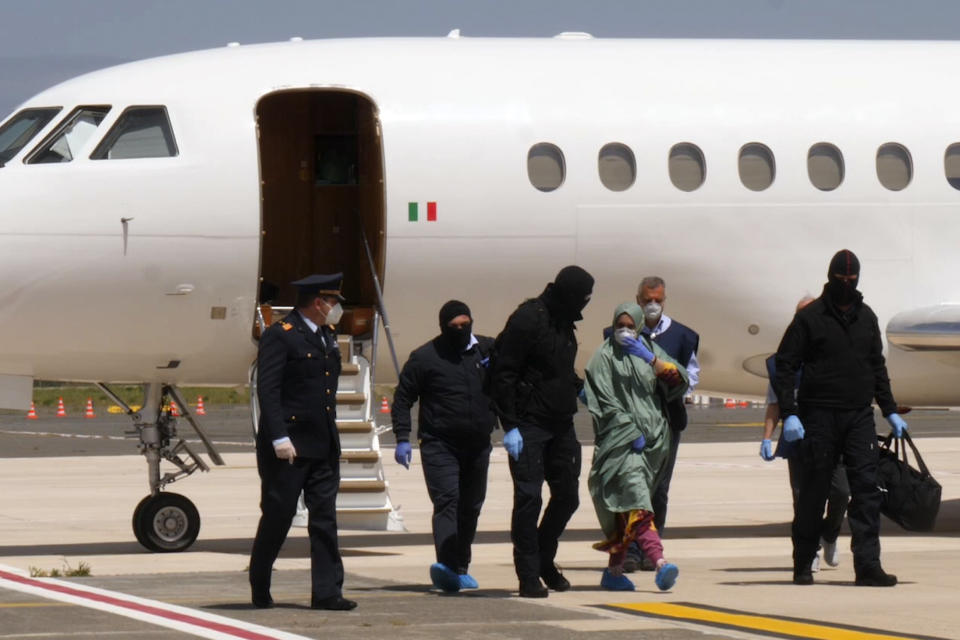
916	454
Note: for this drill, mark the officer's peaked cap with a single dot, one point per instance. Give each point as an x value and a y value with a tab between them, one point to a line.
322	284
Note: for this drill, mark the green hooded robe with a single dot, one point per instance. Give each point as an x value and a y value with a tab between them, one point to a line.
626	400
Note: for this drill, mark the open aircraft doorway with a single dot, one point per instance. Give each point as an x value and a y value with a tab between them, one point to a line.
322	207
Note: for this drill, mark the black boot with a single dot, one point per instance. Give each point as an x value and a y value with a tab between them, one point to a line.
875	577
553	578
532	588
804	576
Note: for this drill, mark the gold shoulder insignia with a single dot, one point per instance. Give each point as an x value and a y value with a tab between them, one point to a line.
286	326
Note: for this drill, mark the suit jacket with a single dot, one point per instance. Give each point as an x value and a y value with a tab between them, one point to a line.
297	373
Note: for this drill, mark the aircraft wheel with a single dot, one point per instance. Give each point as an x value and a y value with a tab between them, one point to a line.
166	522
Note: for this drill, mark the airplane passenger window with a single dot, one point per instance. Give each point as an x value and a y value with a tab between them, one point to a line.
756	165
951	165
140	132
617	166
545	166
687	167
825	166
70	136
894	166
20	129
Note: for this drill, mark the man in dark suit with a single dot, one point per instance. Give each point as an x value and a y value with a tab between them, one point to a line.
298	447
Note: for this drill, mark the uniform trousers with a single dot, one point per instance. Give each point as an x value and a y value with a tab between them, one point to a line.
280	487
837	499
660	498
456	480
830	434
552	455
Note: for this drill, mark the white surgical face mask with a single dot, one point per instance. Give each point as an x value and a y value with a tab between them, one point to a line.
621	334
334	315
652	311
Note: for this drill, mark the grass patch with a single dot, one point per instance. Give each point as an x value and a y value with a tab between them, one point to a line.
82	570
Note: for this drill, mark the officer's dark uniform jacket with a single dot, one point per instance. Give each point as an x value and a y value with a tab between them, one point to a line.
449	385
297	374
842	357
680	342
533	378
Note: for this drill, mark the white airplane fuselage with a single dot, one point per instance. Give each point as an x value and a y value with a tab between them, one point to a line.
83	300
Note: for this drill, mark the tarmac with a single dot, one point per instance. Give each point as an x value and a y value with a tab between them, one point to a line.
68	498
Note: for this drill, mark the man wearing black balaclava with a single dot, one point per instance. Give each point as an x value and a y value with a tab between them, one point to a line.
455	421
535	389
837	340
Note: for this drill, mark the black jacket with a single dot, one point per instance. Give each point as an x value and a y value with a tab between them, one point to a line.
533	376
297	375
842	358
449	386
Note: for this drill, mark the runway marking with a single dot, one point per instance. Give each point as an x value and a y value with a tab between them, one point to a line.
198	623
93	436
781	627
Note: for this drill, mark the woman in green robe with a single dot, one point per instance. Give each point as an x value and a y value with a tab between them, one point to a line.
629	381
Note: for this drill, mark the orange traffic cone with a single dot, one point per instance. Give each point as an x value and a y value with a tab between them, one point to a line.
729	403
174	409
200	410
89	412
32	414
61	412
384	405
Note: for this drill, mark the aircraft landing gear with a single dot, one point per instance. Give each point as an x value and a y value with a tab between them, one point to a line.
164	521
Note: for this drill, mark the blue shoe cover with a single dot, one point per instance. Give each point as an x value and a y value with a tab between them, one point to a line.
444	578
467	581
615	583
667	576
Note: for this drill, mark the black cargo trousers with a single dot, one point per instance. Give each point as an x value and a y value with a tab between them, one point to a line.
551	454
828	435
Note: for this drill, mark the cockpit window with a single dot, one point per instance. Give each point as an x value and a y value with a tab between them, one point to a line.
140	132
20	129
68	138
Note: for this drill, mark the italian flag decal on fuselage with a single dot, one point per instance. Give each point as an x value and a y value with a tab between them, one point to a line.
413	211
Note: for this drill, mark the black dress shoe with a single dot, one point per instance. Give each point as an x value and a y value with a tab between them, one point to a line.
262	601
333	603
803	577
875	577
532	588
554	579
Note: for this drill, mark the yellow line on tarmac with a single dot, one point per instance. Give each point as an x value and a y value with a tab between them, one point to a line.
21	605
782	627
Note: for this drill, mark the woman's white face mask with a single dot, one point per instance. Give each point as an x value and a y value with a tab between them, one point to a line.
621	335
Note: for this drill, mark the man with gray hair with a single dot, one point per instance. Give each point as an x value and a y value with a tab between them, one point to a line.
681	343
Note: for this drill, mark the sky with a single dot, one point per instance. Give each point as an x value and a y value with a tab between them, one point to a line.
43	42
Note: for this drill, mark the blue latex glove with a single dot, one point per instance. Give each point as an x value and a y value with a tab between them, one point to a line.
403	453
766	450
899	424
639	444
792	429
513	443
638	348
582	396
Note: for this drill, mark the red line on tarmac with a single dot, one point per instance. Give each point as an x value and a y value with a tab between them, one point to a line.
179	617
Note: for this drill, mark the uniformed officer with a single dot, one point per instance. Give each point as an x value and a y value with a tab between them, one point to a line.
298	447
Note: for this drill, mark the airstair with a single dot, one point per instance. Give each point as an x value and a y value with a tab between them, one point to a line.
363	501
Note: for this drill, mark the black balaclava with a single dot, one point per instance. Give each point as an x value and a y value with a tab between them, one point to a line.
456	338
844	263
569	293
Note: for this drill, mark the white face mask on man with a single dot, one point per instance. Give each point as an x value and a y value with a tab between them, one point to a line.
334	314
623	333
652	311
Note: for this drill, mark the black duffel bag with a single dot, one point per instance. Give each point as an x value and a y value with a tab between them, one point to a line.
911	498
